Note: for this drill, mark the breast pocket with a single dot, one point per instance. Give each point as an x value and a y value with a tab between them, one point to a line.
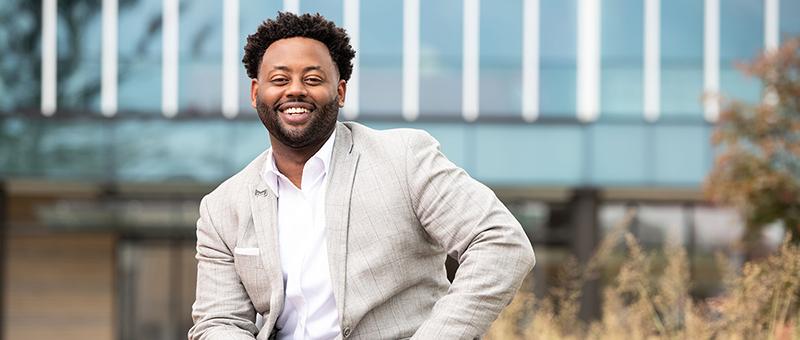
247	258
254	278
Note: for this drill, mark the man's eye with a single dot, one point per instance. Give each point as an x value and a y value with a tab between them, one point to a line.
279	81
313	81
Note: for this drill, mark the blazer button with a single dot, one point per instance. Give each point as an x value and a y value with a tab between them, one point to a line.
346	332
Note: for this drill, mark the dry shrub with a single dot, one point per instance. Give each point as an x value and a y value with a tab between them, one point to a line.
760	301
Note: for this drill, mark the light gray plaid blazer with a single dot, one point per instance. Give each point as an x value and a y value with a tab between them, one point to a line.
395	207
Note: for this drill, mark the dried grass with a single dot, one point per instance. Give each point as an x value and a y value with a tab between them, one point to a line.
645	301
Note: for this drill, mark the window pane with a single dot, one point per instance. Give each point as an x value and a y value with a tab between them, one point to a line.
78	40
659	224
717	230
681	58
741	29
381	58
741	39
621	52
153	150
717	227
330	9
13	137
501	58
610	216
54	148
533	216
548	228
157	286
140	56
684	155
541	154
619	154
200	68
440	58
789	25
558	42
20	71
72	149
145	278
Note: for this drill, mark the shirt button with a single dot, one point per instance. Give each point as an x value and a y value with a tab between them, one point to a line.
346	332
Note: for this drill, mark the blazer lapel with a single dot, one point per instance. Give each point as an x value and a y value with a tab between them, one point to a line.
264	207
337	210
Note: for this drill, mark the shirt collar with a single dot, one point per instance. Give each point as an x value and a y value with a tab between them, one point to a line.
270	172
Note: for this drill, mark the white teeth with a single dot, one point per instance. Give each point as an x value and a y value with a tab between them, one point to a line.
295	110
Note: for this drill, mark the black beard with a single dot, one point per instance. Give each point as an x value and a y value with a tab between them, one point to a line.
321	123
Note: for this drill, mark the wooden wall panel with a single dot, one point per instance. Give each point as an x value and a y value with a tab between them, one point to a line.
60	286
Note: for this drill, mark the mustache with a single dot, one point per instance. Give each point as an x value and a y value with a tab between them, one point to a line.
293	100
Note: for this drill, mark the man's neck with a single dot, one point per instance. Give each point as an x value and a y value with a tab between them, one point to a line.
290	161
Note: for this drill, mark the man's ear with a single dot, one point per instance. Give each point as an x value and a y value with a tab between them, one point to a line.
342	90
253	93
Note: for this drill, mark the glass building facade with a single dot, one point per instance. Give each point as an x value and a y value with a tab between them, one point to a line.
116	116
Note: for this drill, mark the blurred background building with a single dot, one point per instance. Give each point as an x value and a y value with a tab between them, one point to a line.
116	116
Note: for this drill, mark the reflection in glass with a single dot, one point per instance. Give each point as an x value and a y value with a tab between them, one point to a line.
717	232
741	30
167	150
380	55
53	148
20	40
661	224
620	154
441	58
741	39
70	149
200	70
79	46
157	285
330	9
681	58
557	71
621	58
501	58
717	227
789	25
533	215
140	57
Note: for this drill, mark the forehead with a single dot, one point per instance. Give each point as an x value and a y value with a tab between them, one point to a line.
297	51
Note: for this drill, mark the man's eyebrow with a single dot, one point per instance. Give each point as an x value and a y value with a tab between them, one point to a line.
306	69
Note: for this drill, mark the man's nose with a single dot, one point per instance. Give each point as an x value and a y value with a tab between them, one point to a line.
296	89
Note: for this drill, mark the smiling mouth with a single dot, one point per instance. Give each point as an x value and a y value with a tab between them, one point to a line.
296	111
296	115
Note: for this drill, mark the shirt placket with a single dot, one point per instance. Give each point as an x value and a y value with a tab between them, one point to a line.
308	226
308	200
310	196
295	273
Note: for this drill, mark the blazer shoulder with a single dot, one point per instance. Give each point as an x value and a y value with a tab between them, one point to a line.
395	139
235	185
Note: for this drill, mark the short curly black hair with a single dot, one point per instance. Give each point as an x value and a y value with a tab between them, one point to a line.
288	25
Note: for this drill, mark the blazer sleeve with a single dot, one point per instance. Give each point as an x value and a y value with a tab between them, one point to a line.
469	221
222	309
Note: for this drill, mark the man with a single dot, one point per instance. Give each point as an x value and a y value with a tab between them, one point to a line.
341	231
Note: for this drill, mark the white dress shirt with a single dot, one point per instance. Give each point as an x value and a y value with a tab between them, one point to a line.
309	310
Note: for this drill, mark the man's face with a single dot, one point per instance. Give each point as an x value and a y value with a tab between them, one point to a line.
298	92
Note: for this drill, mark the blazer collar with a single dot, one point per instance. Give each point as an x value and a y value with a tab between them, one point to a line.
337	211
264	209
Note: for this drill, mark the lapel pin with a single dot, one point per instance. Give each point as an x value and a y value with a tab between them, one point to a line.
261	193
